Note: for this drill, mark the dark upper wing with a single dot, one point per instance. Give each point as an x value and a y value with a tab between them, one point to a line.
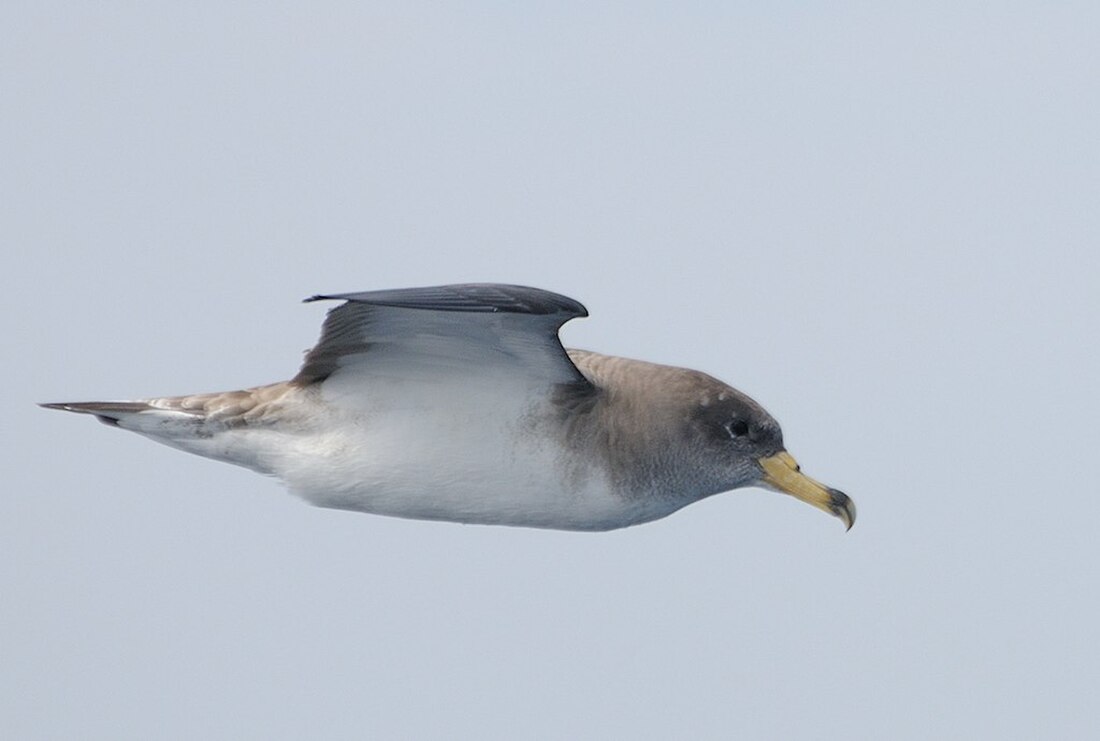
475	297
472	327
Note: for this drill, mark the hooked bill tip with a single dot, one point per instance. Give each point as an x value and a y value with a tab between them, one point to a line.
843	507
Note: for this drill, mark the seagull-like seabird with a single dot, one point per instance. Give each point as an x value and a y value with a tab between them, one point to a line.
459	403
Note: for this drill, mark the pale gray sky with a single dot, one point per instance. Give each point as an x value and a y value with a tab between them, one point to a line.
879	220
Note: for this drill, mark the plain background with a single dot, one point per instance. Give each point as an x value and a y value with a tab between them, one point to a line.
880	220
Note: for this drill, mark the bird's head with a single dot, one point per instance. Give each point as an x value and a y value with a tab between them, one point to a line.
742	445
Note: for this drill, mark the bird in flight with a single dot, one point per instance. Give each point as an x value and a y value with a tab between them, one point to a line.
459	403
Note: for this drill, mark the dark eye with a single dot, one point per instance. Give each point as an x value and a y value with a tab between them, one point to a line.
738	428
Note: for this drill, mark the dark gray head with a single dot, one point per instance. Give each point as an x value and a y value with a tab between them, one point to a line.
740	444
681	434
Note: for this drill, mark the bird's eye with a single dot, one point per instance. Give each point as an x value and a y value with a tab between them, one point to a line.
738	428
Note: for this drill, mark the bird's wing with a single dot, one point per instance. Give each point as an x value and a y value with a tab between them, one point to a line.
477	329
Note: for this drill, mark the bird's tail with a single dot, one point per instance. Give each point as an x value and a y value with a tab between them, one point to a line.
217	425
183	415
107	412
133	415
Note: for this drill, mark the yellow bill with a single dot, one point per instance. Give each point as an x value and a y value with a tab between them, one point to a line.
782	473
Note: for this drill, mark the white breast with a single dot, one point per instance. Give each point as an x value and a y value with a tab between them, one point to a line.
485	453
